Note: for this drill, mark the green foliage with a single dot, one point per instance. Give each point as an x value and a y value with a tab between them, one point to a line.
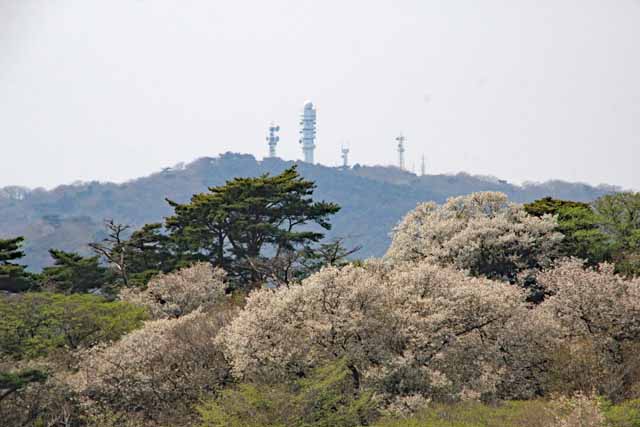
249	220
149	252
608	231
619	218
35	324
248	406
551	206
474	414
133	261
580	225
10	250
328	398
72	273
626	414
13	277
331	397
531	413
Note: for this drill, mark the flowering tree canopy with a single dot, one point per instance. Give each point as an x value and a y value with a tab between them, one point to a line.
595	320
166	363
409	329
482	233
181	292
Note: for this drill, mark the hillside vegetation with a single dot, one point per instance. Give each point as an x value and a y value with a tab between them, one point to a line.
237	311
373	200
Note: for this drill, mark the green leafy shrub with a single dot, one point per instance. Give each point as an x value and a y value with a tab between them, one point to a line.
329	397
33	324
626	414
533	413
578	411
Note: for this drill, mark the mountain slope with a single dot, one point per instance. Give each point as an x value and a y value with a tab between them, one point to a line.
373	200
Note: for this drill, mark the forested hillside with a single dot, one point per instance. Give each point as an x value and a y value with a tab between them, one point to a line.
373	200
482	313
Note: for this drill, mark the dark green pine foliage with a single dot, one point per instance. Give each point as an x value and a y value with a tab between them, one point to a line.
150	251
584	237
249	221
13	277
73	273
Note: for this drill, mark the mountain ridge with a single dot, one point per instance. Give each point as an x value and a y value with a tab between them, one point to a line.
373	200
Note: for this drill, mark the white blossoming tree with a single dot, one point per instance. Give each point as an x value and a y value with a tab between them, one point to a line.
181	292
482	233
596	318
405	330
162	368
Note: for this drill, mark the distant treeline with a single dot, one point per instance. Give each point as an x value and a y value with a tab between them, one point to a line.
373	200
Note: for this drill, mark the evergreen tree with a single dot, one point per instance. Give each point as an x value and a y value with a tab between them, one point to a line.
580	225
13	277
249	220
150	251
73	273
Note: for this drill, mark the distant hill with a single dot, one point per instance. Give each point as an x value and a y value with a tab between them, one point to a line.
373	200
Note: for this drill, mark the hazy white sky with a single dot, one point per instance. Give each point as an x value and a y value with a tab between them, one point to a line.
520	89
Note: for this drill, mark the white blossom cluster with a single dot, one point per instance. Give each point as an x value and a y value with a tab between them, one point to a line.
417	329
410	329
179	293
153	368
482	233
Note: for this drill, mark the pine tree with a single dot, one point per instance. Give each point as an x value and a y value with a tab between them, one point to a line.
13	277
73	273
249	220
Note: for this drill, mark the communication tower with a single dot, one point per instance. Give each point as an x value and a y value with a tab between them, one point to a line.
273	139
401	140
308	131
423	167
345	157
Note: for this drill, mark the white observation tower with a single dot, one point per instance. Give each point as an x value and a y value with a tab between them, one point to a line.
401	140
273	139
308	131
345	157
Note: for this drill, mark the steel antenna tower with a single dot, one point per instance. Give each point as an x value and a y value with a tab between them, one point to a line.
401	140
345	156
423	167
273	139
308	131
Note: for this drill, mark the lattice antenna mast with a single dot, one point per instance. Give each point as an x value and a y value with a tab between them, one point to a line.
345	156
273	139
308	131
401	140
423	167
